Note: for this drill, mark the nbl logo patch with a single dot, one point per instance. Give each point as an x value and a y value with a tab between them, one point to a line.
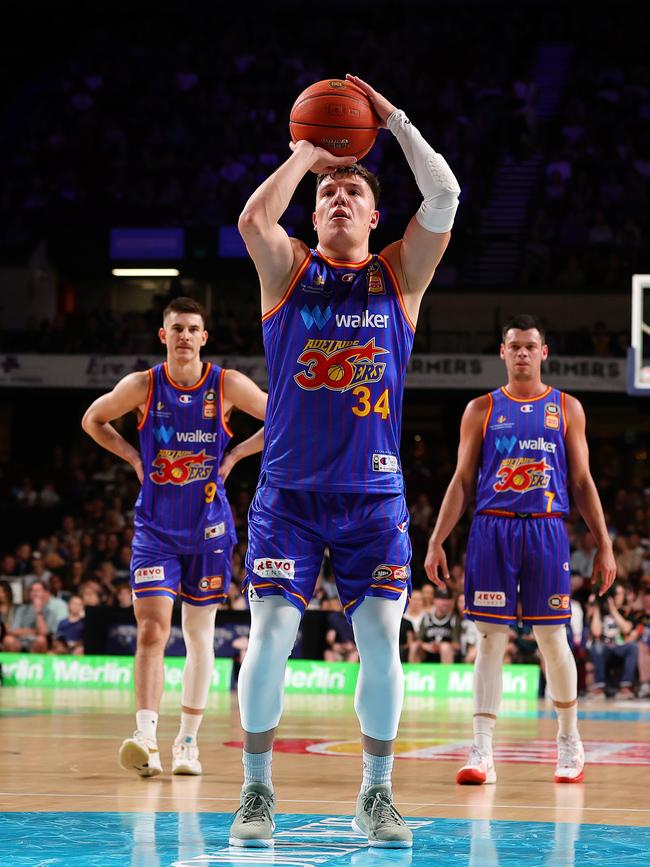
390	573
559	602
211	582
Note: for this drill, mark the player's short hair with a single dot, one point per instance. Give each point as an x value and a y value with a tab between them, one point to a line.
186	305
357	169
524	322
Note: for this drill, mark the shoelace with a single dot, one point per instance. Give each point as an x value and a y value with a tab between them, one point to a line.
254	808
476	756
383	811
567	751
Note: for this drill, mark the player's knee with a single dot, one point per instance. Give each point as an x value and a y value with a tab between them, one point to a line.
553	642
494	638
152	632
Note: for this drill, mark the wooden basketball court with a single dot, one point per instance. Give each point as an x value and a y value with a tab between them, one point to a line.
66	801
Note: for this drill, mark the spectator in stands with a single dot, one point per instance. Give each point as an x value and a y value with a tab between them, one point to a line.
90	592
36	622
124	596
438	637
415	610
642	629
7	608
582	559
339	638
69	634
428	596
468	634
38	572
612	636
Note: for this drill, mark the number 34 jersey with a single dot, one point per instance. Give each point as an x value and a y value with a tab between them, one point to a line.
337	346
523	464
182	505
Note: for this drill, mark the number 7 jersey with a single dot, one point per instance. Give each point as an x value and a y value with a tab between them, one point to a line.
523	466
182	504
337	346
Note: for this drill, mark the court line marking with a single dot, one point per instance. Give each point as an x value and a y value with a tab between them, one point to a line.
457	805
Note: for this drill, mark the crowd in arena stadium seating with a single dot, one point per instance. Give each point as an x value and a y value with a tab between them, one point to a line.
195	137
83	560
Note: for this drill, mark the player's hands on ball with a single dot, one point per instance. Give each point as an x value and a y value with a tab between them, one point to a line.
436	559
604	571
381	105
324	162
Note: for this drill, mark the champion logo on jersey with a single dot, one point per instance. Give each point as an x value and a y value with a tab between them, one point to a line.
185	398
214	531
526	407
316	316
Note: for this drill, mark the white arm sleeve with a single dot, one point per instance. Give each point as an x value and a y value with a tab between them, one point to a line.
434	178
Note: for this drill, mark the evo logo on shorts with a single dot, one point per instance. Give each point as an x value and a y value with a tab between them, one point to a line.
149	573
267	567
490	598
384	463
216	530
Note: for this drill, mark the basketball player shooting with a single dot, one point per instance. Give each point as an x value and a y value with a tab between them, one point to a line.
338	328
184	532
520	447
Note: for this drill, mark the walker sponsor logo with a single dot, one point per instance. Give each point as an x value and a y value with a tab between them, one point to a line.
538	445
197	436
559	602
504	445
149	573
97	672
363	320
490	598
164	434
316	316
267	567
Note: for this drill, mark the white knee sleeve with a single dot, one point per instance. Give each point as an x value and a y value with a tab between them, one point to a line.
488	668
198	634
380	689
274	624
561	671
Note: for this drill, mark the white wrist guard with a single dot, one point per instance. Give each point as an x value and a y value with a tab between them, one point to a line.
434	178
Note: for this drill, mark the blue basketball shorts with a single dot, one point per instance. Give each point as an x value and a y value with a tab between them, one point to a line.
367	536
199	579
518	559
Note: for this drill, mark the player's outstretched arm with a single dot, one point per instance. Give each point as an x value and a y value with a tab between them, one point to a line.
586	496
461	488
417	255
275	254
128	395
250	446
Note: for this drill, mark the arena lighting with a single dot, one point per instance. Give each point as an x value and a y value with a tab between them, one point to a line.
145	272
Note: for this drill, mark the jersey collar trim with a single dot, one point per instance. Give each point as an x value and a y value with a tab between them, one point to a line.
526	399
208	368
338	264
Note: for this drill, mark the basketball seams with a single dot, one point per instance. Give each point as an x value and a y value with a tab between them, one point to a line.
331	125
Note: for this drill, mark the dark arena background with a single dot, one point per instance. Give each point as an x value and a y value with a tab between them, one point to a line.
130	138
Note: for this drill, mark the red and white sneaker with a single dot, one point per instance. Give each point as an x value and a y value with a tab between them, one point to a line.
570	760
478	770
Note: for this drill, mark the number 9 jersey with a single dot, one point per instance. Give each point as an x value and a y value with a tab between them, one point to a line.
182	505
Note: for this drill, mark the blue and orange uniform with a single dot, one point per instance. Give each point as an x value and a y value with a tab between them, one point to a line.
184	531
337	346
518	546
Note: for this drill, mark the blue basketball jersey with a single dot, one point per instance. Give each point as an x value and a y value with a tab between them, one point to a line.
183	434
337	346
523	464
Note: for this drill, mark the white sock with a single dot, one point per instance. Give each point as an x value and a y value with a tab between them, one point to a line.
190	723
146	721
567	720
377	770
483	729
257	768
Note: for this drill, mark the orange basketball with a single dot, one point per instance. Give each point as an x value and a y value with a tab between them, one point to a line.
336	115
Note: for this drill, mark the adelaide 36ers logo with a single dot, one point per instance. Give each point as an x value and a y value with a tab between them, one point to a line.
181	468
339	364
522	474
